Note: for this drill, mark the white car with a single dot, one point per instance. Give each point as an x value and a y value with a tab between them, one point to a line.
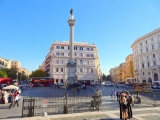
108	84
103	83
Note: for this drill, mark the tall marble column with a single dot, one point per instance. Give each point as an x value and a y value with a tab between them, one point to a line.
71	63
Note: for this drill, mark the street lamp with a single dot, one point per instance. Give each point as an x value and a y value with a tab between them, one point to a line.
17	76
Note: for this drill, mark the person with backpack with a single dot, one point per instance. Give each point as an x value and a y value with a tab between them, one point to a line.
129	102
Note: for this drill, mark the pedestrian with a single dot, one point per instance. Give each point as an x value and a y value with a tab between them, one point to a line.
124	106
118	94
111	93
78	90
129	102
16	100
115	93
119	101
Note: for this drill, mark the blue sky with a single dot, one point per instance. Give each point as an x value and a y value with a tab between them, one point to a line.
29	27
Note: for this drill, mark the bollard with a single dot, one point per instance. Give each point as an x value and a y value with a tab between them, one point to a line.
45	114
65	109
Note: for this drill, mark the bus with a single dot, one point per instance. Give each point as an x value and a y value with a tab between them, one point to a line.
143	87
42	81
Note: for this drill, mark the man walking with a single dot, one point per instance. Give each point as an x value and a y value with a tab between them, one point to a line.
129	102
111	93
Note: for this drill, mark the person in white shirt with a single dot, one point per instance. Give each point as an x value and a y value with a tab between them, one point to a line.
16	100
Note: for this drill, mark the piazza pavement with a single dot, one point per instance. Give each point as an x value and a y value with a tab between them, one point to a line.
108	111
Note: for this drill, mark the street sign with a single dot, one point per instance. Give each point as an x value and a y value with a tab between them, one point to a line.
44	103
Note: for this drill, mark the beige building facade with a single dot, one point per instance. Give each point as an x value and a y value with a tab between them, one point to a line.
86	56
4	63
146	57
129	68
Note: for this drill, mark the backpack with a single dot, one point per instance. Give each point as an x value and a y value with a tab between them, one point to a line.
131	99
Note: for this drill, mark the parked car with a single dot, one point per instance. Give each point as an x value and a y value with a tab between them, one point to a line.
108	84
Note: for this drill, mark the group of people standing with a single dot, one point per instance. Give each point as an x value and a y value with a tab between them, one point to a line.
125	101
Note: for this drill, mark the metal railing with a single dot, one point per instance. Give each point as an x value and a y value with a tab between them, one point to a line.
33	106
149	98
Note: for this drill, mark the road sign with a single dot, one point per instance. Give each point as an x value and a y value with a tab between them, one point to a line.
44	103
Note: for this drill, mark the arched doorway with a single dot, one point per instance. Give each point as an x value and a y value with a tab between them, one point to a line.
149	80
155	77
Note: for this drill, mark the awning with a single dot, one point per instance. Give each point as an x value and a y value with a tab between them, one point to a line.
11	87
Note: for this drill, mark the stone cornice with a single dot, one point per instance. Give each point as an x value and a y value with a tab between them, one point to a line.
145	36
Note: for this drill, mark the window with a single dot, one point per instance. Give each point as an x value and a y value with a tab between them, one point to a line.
81	55
142	65
81	70
80	48
91	55
61	61
62	54
57	53
147	57
88	55
143	73
152	47
87	49
75	54
146	48
56	69
87	70
57	47
91	70
148	64
146	41
75	48
141	50
148	73
57	61
61	69
158	36
154	63
81	62
62	47
91	49
88	62
153	55
152	39
159	44
141	44
68	47
91	62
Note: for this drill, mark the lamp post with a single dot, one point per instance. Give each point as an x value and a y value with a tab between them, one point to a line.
136	71
17	76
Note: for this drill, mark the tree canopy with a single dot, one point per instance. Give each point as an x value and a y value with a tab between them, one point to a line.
3	74
12	73
38	73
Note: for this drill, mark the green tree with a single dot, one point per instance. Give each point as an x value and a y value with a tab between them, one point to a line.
108	78
104	77
3	74
38	73
10	73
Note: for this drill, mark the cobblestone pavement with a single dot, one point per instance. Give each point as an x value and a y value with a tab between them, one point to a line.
109	109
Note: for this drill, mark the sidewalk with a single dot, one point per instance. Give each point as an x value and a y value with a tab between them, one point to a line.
138	114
